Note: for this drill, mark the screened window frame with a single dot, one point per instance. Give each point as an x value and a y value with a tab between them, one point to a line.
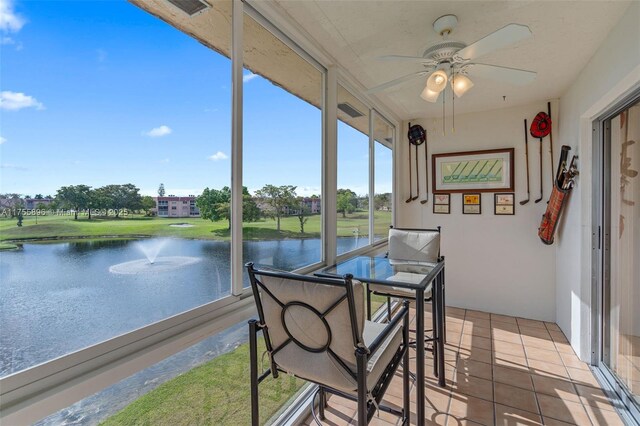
36	392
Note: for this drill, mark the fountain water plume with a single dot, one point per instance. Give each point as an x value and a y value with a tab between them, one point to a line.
151	249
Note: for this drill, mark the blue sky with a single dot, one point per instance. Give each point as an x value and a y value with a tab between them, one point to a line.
102	92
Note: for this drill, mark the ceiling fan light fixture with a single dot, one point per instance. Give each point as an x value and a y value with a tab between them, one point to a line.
437	81
461	84
429	95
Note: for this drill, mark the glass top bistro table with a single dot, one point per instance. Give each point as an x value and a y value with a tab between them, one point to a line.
419	277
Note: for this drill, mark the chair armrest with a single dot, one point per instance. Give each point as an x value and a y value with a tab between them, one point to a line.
389	328
326	275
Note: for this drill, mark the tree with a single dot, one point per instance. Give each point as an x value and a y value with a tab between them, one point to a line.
147	204
161	190
382	201
75	197
38	197
277	198
41	207
346	201
215	204
302	210
120	197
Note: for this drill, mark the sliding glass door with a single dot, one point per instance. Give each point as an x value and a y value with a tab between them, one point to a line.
620	319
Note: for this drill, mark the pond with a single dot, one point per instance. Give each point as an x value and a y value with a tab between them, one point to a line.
61	297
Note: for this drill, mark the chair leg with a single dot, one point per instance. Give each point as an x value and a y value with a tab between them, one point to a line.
321	403
253	355
368	303
388	308
444	311
434	324
405	374
361	365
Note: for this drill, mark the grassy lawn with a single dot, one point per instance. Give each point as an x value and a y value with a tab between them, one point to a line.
139	226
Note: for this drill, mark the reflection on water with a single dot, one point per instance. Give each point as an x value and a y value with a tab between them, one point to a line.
58	298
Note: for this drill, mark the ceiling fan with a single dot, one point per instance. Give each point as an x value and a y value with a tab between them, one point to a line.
452	61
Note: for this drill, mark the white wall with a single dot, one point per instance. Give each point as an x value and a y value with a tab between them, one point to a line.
612	72
494	263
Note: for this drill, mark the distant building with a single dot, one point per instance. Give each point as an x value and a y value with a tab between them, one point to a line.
32	203
313	205
172	206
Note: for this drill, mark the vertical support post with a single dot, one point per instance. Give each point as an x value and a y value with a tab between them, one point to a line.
405	368
361	365
372	174
440	360
253	360
434	326
330	167
237	62
420	391
322	398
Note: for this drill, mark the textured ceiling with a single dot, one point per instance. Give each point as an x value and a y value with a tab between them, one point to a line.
565	36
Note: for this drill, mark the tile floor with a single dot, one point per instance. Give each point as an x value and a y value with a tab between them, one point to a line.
500	370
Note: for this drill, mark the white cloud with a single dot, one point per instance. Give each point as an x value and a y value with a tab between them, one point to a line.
218	156
157	132
164	161
7	40
2	140
14	101
307	191
9	21
248	77
12	166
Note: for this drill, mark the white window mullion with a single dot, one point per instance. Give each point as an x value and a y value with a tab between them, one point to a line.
372	169
237	63
330	168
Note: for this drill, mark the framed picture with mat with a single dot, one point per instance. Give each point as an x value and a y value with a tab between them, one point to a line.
504	204
471	203
442	203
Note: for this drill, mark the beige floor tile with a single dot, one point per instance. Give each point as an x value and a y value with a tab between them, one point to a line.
503	318
336	415
437	398
583	377
514	349
474	368
523	322
564	348
558	336
469	408
476	330
594	397
513	328
515	397
509	376
476	354
554	422
477	322
477	314
451	310
551	326
551	357
498	335
433	418
540	333
571	360
515	362
566	411
538	343
603	417
473	386
509	416
559	388
469	341
546	369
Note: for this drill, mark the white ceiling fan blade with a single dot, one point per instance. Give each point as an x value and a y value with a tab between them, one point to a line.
510	75
396	81
505	36
401	58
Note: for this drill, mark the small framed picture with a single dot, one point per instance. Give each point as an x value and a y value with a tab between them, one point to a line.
442	203
471	203
504	204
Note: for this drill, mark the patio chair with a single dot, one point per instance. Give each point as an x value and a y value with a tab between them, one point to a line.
315	329
419	246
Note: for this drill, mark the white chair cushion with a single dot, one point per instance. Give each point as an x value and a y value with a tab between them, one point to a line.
418	246
405	293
